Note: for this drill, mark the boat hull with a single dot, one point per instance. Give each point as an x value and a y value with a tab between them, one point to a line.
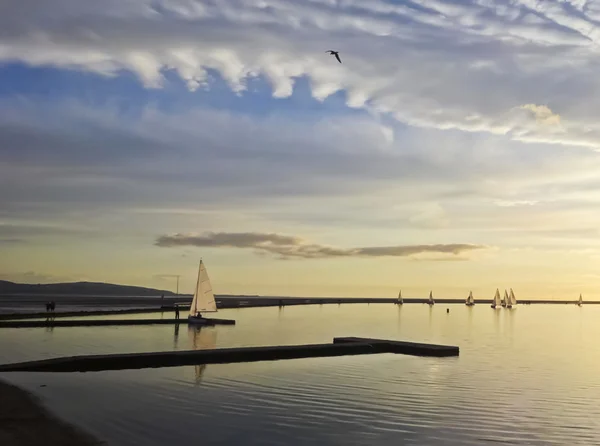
193	320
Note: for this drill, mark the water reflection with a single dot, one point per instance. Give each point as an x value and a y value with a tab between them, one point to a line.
469	320
430	316
510	315
496	320
201	338
378	399
176	337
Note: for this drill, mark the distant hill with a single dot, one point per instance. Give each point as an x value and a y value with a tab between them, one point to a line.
80	288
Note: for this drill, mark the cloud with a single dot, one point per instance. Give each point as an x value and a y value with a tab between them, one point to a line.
542	113
287	247
339	174
436	64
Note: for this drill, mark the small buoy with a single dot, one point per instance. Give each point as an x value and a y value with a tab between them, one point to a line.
447	310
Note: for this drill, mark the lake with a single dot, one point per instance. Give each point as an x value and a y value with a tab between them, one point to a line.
526	376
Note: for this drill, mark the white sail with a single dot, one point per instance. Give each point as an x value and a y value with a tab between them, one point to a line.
204	299
431	301
580	300
504	300
400	300
512	298
470	299
497	301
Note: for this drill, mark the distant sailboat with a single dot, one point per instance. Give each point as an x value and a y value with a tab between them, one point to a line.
204	299
470	300
504	299
400	301
512	300
580	302
430	301
496	301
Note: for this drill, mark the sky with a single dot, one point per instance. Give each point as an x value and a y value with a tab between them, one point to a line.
455	148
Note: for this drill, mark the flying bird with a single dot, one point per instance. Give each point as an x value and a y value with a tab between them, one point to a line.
335	53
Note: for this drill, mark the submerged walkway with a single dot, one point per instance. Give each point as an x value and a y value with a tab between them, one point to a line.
339	347
103	322
82	313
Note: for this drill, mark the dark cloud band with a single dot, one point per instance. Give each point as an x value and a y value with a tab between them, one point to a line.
287	247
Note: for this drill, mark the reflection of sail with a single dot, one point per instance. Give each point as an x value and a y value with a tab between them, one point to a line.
399	317
497	321
430	317
198	372
201	338
470	319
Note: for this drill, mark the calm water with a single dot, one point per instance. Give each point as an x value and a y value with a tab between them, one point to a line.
527	376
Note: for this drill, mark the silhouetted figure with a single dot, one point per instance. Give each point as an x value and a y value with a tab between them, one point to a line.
176	312
52	306
47	306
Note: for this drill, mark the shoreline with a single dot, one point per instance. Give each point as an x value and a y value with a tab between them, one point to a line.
25	421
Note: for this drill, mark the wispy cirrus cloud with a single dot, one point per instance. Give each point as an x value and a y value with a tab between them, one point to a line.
287	247
488	58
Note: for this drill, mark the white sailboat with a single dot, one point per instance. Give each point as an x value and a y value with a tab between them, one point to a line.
512	300
400	301
204	299
580	302
496	301
470	300
430	301
504	299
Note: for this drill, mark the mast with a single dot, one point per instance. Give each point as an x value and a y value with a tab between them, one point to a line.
194	303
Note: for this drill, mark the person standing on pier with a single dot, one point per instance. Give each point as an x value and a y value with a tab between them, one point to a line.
176	311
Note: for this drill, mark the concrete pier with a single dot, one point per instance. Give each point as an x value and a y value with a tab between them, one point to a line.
104	322
341	347
403	347
84	313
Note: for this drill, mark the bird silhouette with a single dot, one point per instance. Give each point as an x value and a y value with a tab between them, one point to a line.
335	53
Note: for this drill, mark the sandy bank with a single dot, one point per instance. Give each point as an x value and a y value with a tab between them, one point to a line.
25	422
